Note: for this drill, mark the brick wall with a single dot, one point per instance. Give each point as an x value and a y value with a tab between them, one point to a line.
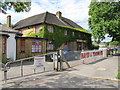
28	48
2	55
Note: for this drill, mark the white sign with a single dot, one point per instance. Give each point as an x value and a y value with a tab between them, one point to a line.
39	62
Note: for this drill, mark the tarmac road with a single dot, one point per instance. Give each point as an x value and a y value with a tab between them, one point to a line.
82	76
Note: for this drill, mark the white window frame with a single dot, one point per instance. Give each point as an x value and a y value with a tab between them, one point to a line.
37	46
73	33
50	29
65	32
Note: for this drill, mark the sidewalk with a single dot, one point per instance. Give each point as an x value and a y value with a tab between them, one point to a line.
103	68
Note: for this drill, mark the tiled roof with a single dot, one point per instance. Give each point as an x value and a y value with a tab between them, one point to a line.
48	18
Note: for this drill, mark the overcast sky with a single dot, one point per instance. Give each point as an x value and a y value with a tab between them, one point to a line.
76	10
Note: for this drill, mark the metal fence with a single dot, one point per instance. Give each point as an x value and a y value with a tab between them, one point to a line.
61	61
25	67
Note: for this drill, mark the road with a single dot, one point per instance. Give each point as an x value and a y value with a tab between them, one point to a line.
70	78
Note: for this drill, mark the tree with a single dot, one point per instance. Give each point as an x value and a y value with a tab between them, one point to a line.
17	6
104	19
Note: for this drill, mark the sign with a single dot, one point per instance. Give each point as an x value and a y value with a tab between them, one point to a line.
90	54
39	62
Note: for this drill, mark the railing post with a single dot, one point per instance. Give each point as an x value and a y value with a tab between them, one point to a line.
21	68
61	62
53	61
5	76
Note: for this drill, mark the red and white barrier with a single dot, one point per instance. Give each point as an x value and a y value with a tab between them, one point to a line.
91	54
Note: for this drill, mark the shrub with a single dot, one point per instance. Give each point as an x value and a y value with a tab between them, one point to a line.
118	76
95	46
114	43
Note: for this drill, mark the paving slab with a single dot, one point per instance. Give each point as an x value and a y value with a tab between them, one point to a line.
104	68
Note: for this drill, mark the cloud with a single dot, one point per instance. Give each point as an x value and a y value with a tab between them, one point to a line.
76	10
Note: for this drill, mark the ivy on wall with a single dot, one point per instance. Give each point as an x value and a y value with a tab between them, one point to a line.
59	37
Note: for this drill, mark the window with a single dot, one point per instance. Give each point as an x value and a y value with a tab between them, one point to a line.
73	33
65	45
22	46
50	45
37	28
65	32
4	45
50	29
60	30
36	46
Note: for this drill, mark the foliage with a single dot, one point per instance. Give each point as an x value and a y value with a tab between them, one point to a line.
95	46
118	76
17	6
104	19
114	43
58	36
76	29
103	46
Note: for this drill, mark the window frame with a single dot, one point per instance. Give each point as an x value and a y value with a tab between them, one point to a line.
4	43
73	33
50	29
50	43
22	45
36	48
65	32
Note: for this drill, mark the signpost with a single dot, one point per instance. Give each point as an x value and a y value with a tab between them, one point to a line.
39	62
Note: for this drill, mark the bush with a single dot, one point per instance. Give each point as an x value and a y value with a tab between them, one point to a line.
95	46
114	43
118	76
103	46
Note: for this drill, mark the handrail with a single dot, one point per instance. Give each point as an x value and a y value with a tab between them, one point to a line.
24	59
20	60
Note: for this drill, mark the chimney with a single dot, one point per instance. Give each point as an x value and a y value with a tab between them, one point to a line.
59	14
9	21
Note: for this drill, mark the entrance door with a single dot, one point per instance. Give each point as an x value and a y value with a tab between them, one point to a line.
79	46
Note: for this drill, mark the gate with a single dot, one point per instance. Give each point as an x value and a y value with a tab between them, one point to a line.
26	66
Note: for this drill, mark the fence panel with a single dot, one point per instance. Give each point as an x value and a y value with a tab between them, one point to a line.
76	57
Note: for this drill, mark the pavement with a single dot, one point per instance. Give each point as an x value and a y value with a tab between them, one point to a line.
105	68
99	73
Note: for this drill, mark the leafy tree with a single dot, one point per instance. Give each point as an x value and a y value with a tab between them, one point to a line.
114	43
104	19
17	6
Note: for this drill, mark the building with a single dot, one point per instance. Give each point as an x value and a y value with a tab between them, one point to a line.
10	48
30	46
62	33
3	47
14	46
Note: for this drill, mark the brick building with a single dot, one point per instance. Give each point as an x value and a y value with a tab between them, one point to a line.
62	33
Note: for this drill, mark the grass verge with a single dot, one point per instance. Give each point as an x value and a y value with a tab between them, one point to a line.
118	76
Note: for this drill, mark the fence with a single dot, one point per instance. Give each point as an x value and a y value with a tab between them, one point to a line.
82	57
61	61
18	68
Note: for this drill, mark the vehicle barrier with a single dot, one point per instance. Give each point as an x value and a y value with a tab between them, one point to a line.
81	57
7	67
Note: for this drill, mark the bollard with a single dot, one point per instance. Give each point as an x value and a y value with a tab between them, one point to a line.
44	69
83	62
61	63
53	61
5	76
34	70
21	68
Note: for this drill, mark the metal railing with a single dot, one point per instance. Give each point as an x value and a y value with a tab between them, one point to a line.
6	67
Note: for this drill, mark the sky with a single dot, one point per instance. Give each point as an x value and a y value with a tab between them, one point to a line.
76	10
